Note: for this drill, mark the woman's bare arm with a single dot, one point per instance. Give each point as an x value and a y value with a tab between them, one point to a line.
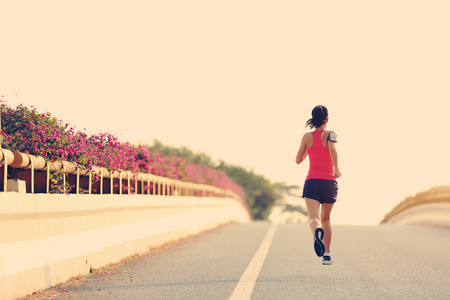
334	158
302	151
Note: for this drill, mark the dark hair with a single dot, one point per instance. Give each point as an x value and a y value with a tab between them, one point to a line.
319	117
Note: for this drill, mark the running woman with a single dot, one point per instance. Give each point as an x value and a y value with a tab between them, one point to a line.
320	188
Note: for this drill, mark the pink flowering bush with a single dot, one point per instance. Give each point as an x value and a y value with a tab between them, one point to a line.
28	131
207	175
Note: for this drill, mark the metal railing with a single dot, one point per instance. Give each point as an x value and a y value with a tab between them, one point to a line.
108	182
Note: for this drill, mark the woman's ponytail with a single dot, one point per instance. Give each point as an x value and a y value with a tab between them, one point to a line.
319	117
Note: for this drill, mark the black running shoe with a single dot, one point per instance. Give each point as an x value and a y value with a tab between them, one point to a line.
319	247
327	260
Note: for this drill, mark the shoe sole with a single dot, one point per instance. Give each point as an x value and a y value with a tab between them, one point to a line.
327	263
319	247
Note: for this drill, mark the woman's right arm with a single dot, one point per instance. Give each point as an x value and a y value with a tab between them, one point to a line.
302	151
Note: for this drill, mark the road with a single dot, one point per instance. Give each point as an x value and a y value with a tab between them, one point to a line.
370	262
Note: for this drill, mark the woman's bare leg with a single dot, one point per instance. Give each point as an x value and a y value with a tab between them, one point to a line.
313	207
326	225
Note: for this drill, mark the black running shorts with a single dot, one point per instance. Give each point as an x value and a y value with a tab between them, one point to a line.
322	190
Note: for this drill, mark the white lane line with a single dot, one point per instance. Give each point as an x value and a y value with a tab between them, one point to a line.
246	284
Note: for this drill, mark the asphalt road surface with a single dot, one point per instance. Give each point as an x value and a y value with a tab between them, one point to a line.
261	260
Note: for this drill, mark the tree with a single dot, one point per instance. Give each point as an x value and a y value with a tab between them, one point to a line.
260	193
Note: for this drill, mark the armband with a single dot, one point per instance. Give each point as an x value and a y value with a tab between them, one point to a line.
332	137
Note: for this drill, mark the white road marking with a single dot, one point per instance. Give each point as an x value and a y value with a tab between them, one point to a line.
246	284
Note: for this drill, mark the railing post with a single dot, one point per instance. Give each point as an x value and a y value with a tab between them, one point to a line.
64	177
129	182
1	136
48	177
90	181
101	181
120	183
5	173
153	185
32	174
111	183
78	180
159	187
164	191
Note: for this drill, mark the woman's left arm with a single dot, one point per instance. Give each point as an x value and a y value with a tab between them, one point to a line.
334	158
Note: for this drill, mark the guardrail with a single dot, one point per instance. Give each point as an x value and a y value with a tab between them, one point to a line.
47	239
417	200
38	179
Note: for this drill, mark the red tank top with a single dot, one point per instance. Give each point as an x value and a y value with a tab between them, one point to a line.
320	163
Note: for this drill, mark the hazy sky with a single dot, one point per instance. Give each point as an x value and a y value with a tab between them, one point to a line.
238	80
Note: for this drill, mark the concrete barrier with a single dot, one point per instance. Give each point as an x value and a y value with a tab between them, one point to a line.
47	239
426	214
431	207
